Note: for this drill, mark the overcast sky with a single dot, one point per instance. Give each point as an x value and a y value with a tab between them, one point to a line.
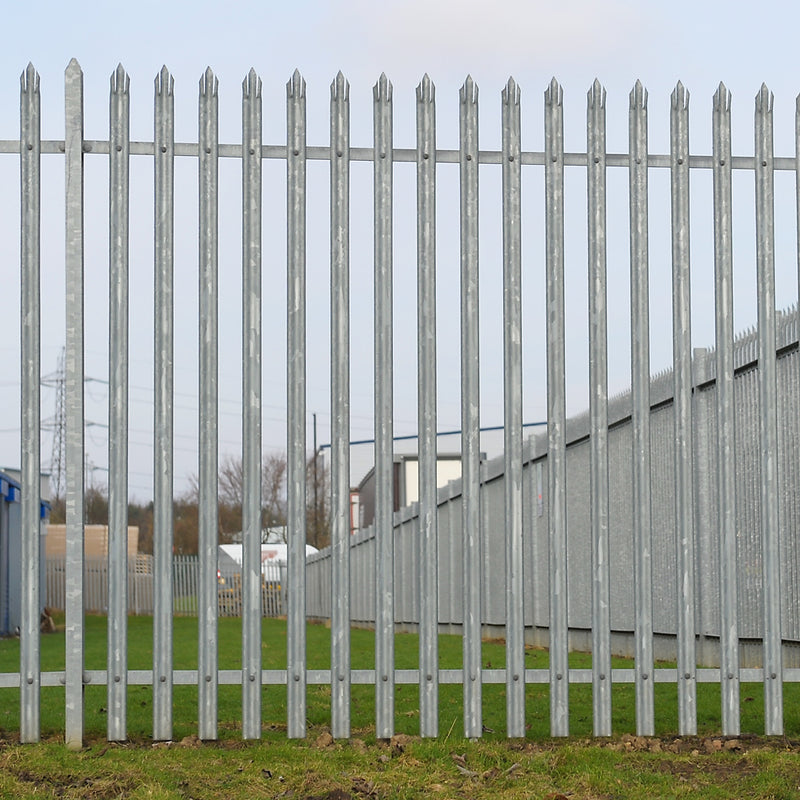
699	43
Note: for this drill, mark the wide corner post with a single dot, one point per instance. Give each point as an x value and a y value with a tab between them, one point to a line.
163	420
119	170
251	405
726	431
30	459
75	635
682	378
426	405
768	414
512	413
296	399
470	411
640	395
598	410
340	406
208	534
383	162
556	409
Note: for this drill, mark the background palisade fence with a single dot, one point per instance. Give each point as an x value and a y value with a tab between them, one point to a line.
468	529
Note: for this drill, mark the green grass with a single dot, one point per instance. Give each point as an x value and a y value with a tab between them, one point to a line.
447	767
274	713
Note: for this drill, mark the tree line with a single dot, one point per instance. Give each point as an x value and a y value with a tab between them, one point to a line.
231	496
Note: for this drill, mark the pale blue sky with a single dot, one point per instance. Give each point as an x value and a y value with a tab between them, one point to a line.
699	43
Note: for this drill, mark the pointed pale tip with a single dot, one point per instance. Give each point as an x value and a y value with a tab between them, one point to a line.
722	98
382	91
554	95
120	82
296	87
340	88
426	91
764	99
29	79
680	96
209	85
638	96
73	70
251	85
165	84
596	95
511	93
469	91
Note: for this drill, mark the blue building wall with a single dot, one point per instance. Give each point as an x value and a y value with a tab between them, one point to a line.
11	554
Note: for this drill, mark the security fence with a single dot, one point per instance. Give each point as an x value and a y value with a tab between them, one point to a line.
654	456
185	583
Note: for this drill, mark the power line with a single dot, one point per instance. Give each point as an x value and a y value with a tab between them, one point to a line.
438	433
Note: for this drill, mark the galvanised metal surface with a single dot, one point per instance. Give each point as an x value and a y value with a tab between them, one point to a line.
30	397
429	551
767	392
695	470
251	406
512	415
208	535
296	402
640	393
384	406
470	408
598	410
119	178
340	406
556	409
726	435
682	414
163	423
73	257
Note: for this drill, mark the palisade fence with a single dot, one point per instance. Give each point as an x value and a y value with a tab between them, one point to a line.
466	560
185	582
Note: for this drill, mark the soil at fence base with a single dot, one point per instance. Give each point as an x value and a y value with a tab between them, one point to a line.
701	750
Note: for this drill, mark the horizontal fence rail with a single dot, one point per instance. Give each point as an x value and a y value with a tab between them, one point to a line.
659	524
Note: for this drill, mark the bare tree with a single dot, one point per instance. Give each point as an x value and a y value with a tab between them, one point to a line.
273	490
231	482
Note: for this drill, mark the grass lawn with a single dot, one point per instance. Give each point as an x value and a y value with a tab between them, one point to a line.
579	767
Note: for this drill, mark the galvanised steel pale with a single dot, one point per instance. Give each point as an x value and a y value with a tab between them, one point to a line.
251	406
598	409
430	577
556	409
163	389
384	407
340	406
30	139
118	351
296	402
208	536
73	257
470	408
768	417
512	412
682	374
640	391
